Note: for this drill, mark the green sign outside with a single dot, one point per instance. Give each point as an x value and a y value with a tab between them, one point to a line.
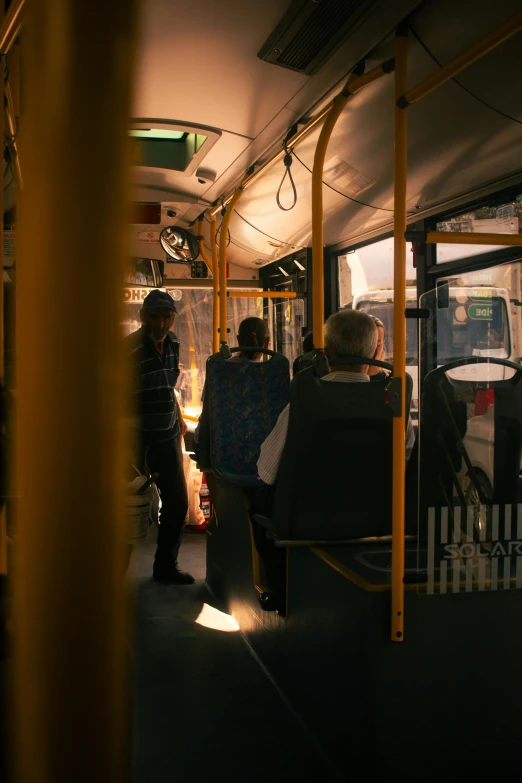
480	312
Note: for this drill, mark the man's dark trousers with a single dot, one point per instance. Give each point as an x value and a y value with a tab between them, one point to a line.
166	458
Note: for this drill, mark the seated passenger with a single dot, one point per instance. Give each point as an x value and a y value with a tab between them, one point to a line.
308	345
378	373
252	334
347	333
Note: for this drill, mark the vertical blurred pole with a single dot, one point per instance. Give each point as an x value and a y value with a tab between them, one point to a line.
215	285
3	523
399	331
70	690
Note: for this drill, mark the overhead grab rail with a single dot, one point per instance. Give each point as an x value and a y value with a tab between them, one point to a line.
355	83
469	238
262	294
461	61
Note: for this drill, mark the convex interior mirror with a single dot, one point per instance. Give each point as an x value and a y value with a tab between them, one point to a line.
179	244
146	272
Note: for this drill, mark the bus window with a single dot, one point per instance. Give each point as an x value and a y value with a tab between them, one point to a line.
286	320
384	311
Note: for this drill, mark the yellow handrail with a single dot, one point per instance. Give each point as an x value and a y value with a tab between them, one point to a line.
262	294
353	85
223	265
3	513
11	26
457	64
10	126
70	604
215	286
469	238
399	336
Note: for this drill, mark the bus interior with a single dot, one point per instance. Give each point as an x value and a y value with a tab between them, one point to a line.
263	159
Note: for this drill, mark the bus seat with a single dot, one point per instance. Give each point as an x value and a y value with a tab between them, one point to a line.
303	361
335	478
244	400
455	446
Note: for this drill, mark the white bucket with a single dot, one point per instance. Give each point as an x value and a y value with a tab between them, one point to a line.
138	509
138	513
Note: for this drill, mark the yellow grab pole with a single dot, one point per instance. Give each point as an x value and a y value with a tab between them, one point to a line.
202	250
223	264
399	334
470	238
11	25
475	52
215	286
10	123
213	266
3	517
262	294
354	83
70	679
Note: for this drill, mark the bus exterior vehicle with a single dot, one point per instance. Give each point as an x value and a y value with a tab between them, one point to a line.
479	320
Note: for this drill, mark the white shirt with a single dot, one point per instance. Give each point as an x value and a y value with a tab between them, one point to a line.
272	447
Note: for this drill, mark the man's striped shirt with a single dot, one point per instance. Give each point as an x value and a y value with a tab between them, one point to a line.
153	381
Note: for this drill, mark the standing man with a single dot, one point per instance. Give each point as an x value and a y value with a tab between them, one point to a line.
154	355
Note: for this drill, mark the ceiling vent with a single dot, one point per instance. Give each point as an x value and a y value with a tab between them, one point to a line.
311	30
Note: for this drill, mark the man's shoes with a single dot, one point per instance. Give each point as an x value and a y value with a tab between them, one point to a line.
173	576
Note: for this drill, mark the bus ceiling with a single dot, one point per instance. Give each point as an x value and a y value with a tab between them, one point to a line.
473	118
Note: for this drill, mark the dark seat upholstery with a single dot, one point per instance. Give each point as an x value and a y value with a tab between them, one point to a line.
335	477
243	400
303	361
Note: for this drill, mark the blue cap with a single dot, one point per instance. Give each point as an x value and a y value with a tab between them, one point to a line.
159	299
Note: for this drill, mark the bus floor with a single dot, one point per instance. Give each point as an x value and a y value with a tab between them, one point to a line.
204	708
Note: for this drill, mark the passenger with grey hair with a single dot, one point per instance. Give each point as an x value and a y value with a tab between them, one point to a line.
346	333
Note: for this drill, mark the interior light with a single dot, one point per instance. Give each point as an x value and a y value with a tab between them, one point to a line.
179	244
283	271
210	617
152	133
298	265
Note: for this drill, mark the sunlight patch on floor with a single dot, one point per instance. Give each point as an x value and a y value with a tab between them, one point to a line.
209	617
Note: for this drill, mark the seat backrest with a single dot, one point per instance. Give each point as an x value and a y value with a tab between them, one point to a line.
244	400
303	361
335	477
470	438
